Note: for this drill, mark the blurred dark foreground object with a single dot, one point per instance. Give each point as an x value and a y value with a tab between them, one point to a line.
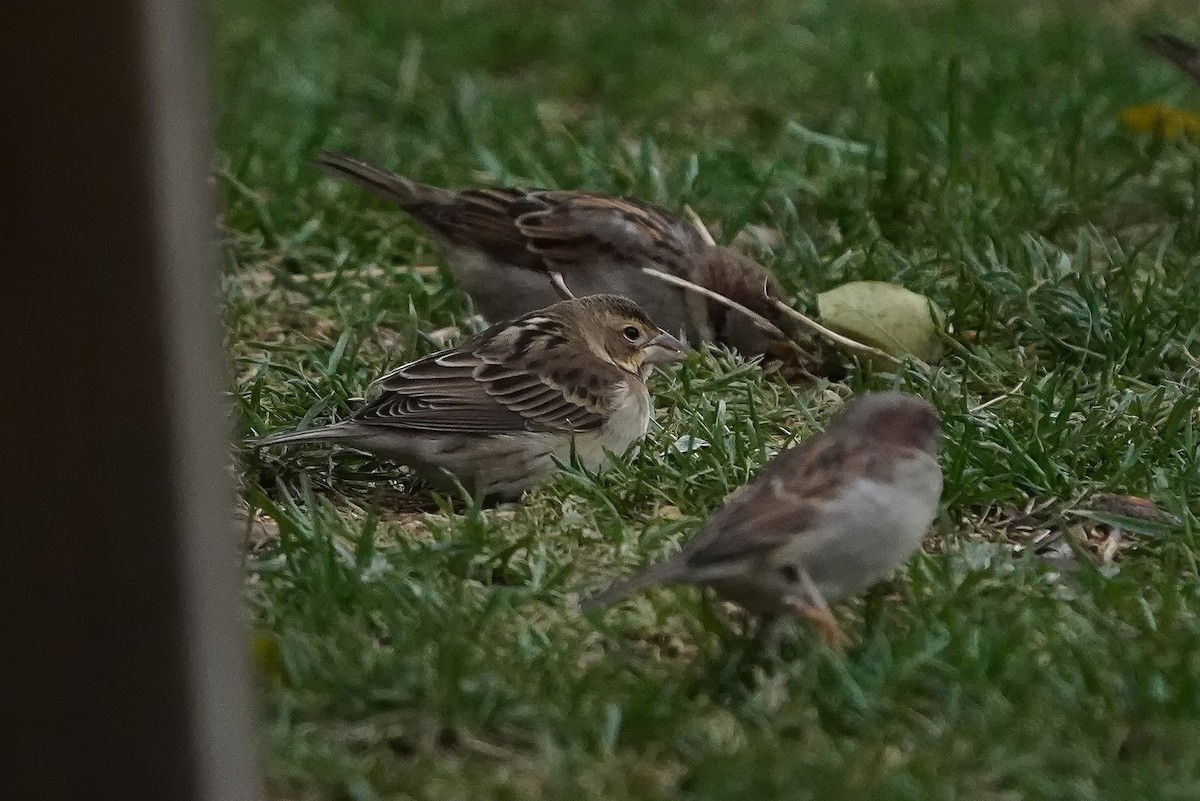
126	674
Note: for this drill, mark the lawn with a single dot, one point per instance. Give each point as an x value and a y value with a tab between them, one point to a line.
416	647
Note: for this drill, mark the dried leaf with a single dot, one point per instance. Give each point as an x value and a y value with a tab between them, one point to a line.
896	320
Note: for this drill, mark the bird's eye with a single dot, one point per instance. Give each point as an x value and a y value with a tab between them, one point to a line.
632	333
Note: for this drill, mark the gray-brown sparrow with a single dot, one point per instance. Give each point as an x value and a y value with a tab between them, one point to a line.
823	521
502	243
497	411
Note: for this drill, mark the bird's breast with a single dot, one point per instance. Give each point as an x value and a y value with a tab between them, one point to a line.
870	529
629	418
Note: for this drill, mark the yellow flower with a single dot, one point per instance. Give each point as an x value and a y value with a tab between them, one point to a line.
1156	118
266	656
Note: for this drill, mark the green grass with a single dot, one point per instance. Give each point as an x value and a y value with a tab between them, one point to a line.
434	651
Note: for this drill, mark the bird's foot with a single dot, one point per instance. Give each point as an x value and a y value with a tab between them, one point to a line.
828	628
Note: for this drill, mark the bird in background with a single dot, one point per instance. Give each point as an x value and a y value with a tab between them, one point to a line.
1180	52
821	522
495	413
503	243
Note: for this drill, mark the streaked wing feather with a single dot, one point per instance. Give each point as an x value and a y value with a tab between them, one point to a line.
574	228
485	219
563	231
475	389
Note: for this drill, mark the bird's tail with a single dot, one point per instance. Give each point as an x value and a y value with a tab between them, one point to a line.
669	572
334	433
387	184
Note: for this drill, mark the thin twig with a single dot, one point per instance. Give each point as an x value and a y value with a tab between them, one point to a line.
763	322
695	220
997	399
845	342
758	319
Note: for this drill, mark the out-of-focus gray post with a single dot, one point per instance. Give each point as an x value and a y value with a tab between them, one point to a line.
124	661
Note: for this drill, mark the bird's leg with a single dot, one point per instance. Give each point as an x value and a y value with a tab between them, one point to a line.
827	625
818	613
560	286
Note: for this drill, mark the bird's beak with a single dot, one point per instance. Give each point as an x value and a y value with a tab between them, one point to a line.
664	349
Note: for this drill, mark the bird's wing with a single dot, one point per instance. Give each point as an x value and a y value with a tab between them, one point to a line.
486	388
787	498
481	219
573	229
538	229
485	220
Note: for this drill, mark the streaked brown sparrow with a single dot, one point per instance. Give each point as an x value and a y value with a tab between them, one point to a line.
502	243
498	410
823	521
